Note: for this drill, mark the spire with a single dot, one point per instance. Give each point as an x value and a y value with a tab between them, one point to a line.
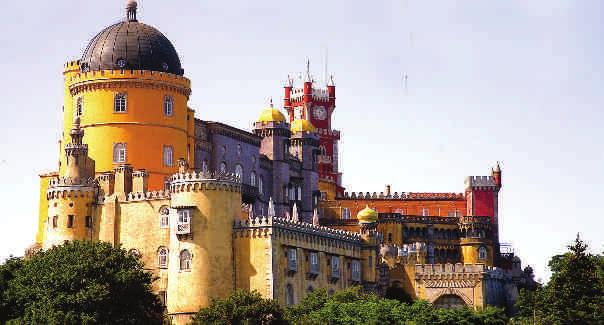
497	168
290	82
331	82
76	132
307	77
131	7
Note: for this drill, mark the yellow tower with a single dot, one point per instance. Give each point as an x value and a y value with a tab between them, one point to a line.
206	206
476	240
71	196
368	219
129	91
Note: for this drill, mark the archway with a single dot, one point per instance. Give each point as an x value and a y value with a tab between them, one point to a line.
449	301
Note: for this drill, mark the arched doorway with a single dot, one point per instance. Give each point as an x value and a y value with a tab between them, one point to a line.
449	301
396	292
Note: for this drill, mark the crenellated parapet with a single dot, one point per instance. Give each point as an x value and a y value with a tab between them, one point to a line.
120	79
148	196
61	187
265	226
475	227
200	181
403	196
480	182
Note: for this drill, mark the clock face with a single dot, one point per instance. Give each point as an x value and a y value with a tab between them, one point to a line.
319	112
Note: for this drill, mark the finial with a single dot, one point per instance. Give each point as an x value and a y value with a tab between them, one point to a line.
331	82
289	82
497	168
307	78
131	7
271	102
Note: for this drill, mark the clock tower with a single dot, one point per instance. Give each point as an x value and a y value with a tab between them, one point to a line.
316	104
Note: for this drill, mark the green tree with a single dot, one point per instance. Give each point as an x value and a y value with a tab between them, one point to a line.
82	283
574	294
7	273
241	307
353	306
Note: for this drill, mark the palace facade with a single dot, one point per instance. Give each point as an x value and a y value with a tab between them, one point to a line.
210	208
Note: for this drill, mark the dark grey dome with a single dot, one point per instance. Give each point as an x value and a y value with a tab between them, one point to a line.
130	45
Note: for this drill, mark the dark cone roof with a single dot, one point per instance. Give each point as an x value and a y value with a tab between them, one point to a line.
130	45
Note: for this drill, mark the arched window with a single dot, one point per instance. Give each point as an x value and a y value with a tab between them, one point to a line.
253	179
120	103
223	167
261	185
346	213
482	253
185	260
168	156
204	166
119	152
299	192
168	105
239	150
164	217
289	294
239	171
79	106
162	257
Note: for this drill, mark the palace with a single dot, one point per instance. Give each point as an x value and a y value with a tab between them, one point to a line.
210	208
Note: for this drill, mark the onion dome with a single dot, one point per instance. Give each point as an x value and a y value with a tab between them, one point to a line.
367	215
271	114
302	125
131	45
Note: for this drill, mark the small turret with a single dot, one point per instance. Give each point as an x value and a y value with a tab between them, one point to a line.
131	8
496	173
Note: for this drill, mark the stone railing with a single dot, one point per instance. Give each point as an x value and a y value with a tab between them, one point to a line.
403	196
300	227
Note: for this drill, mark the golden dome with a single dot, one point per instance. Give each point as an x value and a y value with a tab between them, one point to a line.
271	114
302	125
367	215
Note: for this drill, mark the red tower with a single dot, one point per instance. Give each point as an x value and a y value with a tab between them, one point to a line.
317	104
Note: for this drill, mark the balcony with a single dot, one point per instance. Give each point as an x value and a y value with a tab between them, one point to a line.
249	193
183	228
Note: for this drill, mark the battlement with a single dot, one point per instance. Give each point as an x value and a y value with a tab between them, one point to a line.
480	182
399	218
61	187
475	220
71	66
70	182
318	94
403	196
459	269
84	81
185	182
148	196
263	222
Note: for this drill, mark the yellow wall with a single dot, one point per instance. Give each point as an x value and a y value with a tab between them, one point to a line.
79	204
144	127
43	207
469	250
215	205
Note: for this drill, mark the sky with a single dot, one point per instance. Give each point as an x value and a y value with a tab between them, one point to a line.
515	81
